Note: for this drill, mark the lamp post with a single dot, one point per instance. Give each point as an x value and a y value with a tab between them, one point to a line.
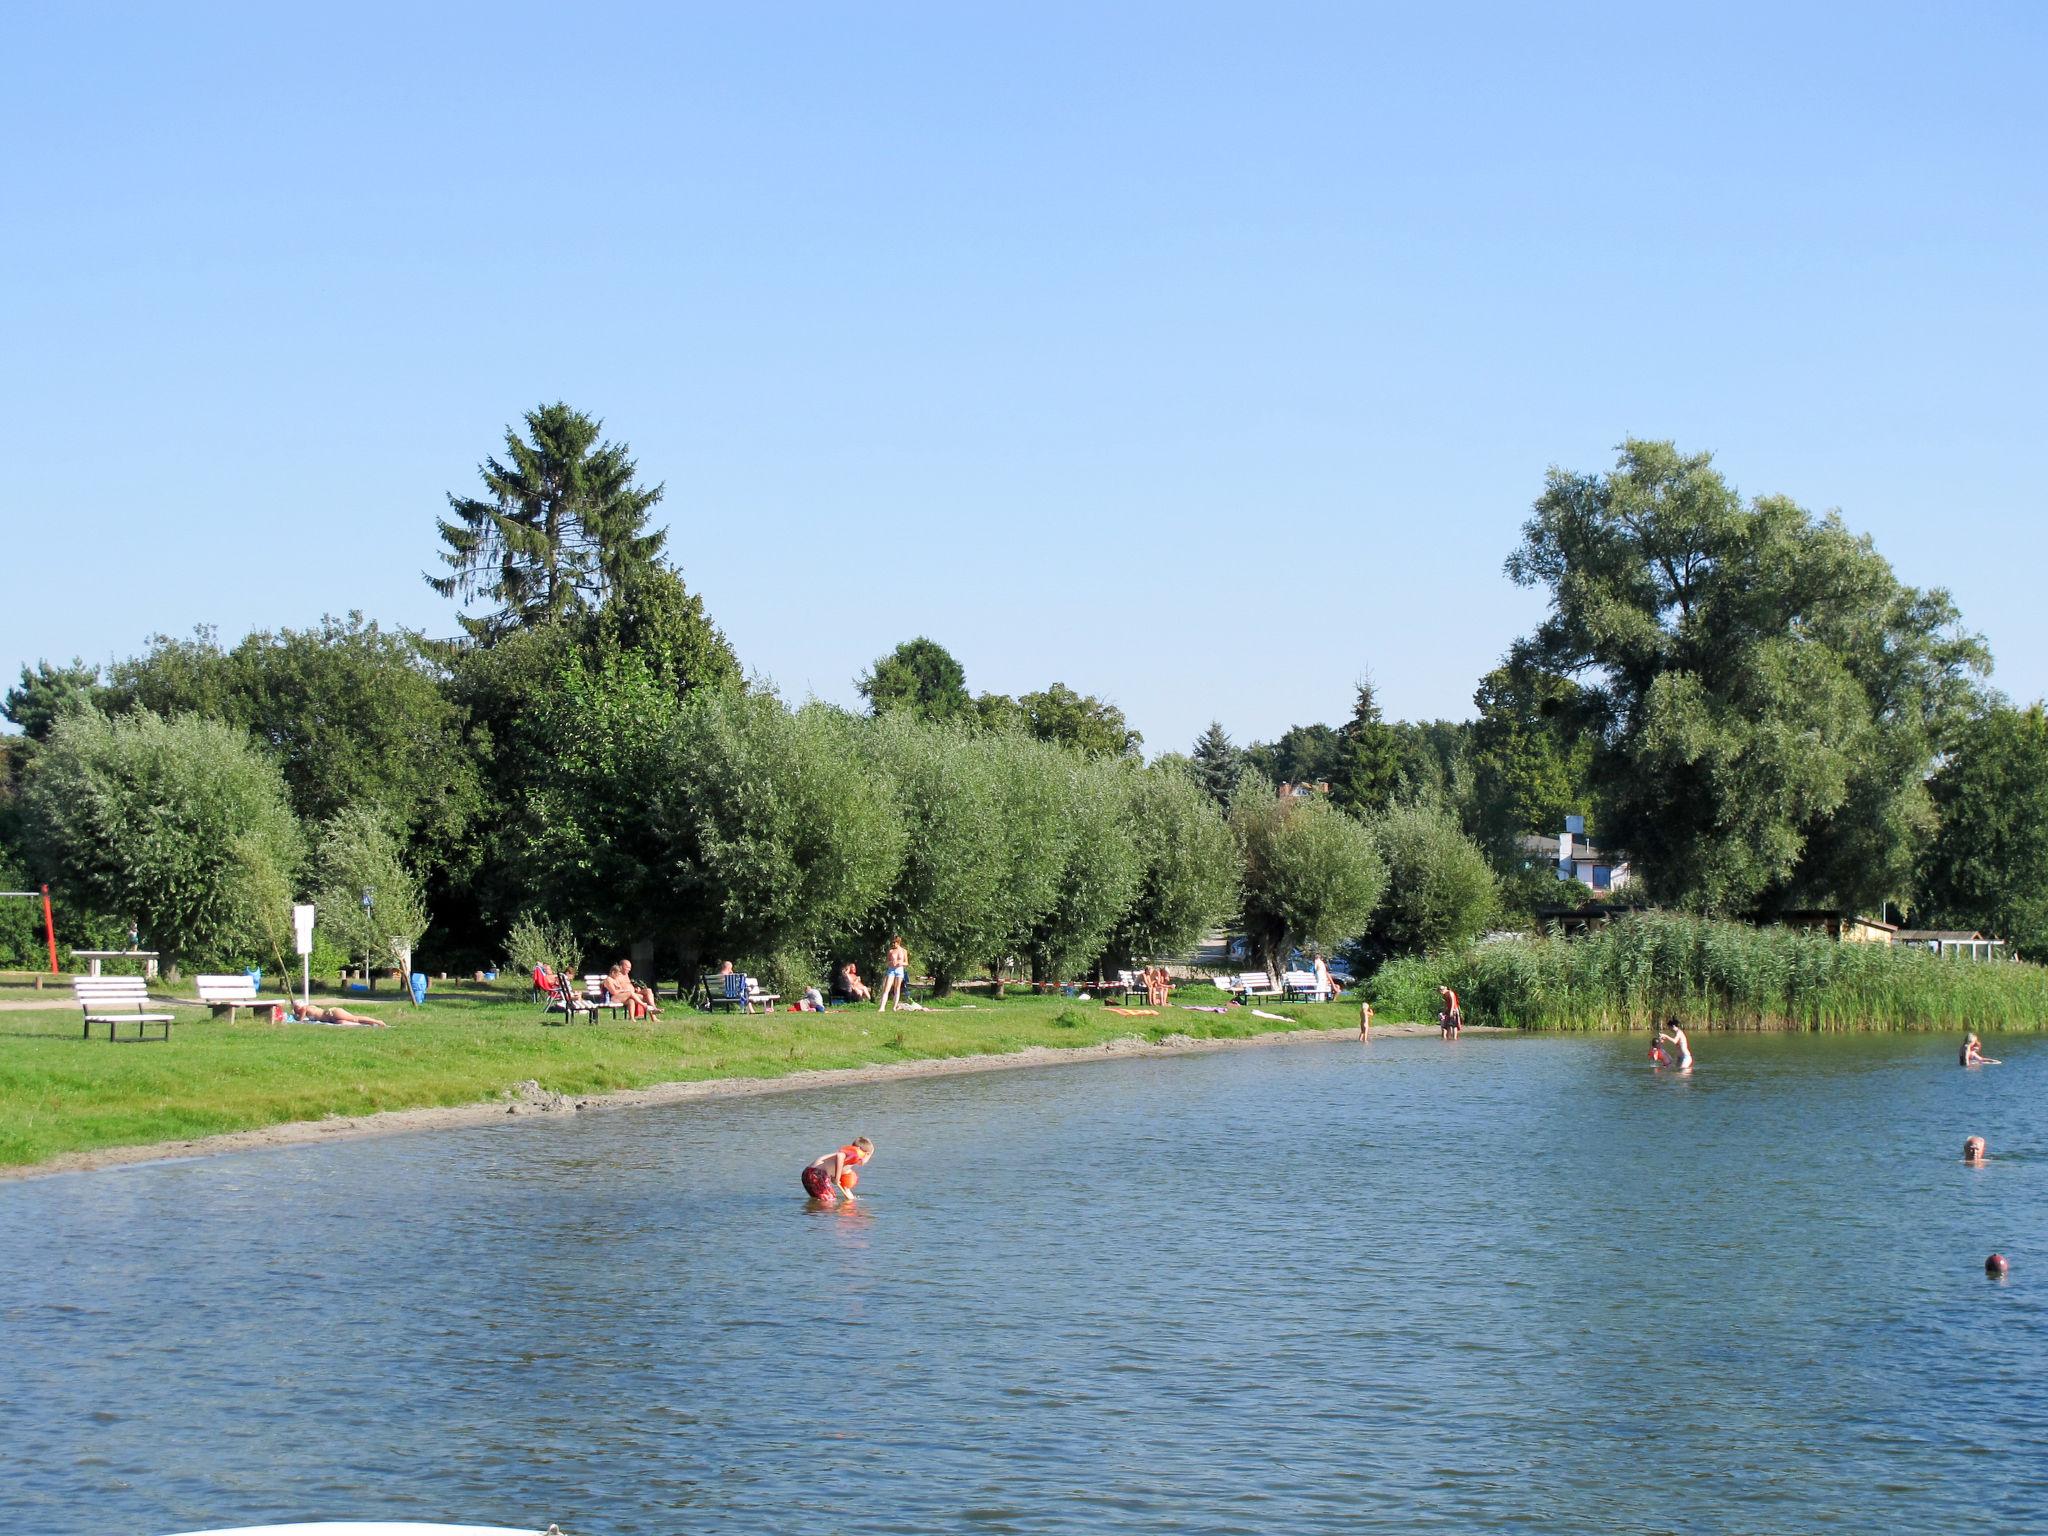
369	904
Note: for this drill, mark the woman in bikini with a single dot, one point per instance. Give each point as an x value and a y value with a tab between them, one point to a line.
317	1014
893	978
822	1178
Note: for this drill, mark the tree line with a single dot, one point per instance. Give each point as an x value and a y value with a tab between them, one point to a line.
1739	695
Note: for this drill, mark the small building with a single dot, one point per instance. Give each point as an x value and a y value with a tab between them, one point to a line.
1576	859
1969	944
1847	927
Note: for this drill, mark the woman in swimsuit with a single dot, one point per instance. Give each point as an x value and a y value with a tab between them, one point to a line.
821	1177
1681	1052
1973	1054
897	973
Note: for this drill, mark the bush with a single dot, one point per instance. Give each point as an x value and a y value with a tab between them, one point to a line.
534	941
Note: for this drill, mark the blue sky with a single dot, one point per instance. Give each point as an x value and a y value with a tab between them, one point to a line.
1199	357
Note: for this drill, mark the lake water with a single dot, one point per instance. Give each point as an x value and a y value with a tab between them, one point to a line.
1505	1284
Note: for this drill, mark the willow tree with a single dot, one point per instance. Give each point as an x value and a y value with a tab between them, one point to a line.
560	527
1764	696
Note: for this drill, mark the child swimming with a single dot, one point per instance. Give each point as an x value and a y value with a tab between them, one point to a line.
1973	1054
827	1177
1681	1050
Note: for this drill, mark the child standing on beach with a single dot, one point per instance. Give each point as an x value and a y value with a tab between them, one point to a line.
1452	1019
828	1176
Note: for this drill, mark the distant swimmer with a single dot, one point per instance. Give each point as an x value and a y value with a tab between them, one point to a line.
1974	1151
831	1175
1681	1049
1452	1017
1364	1019
1973	1054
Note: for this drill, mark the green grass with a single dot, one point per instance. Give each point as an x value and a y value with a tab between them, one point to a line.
61	1094
1645	968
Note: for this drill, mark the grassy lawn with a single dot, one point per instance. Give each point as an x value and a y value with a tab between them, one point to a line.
61	1094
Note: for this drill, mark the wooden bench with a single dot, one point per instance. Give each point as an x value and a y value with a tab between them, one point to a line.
117	1000
229	993
1129	985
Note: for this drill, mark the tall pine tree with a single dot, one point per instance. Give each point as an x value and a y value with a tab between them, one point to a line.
561	526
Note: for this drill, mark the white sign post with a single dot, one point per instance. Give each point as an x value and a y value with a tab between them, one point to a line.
302	932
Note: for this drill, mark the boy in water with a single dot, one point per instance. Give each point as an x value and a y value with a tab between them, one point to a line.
821	1178
1452	1018
1974	1151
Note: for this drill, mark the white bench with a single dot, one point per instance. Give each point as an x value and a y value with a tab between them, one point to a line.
595	997
1302	986
117	1000
1249	984
230	993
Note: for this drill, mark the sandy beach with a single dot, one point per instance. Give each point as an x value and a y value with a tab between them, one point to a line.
528	1099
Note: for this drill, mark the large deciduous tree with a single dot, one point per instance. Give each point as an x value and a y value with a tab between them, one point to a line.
1187	866
182	825
1988	865
780	825
1764	695
560	527
1312	874
1440	891
1531	766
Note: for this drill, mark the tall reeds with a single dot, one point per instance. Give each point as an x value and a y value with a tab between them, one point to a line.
1647	967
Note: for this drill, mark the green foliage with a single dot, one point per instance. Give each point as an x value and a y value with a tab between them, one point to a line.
561	527
920	677
1304	754
1086	723
1531	768
949	902
356	715
1098	873
179	677
1217	764
593	838
781	832
654	616
1646	967
1440	892
182	824
533	941
1365	767
355	852
1187	866
1312	875
1988	866
46	693
1765	696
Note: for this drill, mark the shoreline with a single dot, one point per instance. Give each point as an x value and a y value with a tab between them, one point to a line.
529	1099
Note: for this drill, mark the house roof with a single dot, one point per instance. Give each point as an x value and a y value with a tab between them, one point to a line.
1945	935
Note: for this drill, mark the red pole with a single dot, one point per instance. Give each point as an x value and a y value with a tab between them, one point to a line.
50	930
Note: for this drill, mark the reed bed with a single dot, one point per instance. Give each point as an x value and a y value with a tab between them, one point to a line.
1647	967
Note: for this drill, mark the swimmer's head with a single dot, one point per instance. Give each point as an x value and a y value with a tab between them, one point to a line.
1974	1150
1996	1266
1970	1039
867	1148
